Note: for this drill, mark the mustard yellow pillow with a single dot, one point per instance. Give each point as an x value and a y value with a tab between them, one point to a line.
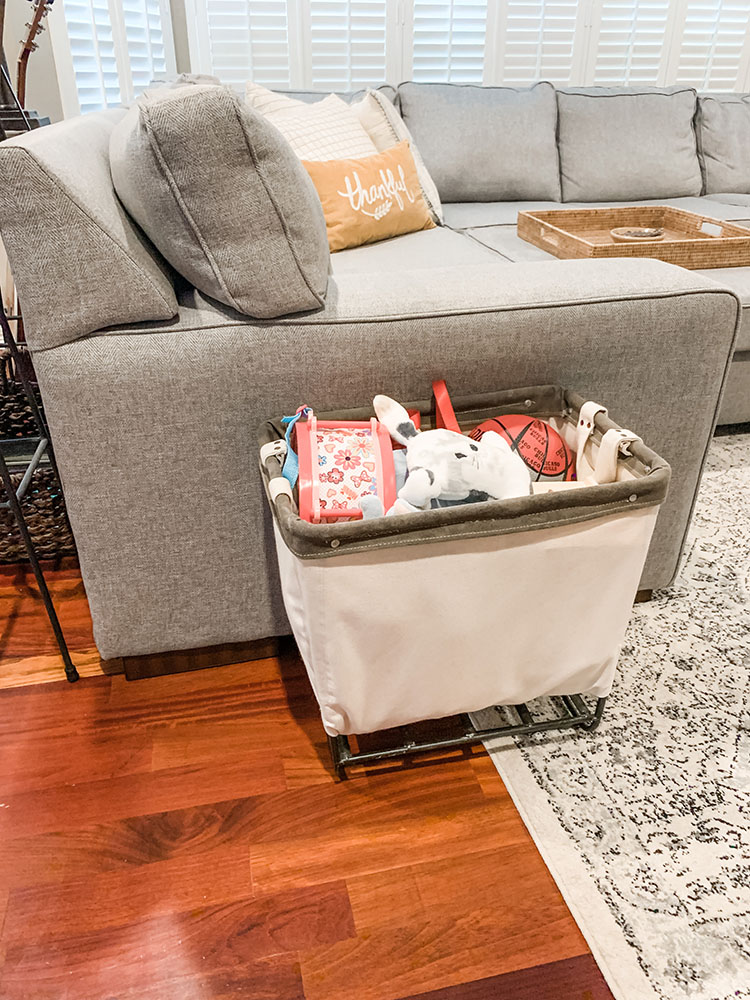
371	198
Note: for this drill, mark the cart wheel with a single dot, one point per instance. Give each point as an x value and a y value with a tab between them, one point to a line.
337	746
592	726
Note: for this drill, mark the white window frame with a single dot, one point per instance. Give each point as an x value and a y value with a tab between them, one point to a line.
64	60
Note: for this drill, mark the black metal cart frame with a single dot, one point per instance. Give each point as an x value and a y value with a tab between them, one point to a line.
575	714
15	495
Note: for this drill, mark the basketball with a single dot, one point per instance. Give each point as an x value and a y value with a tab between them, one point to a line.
539	445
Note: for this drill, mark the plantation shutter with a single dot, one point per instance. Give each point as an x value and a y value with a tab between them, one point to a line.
92	50
629	41
540	41
713	50
347	43
449	39
114	49
248	39
144	39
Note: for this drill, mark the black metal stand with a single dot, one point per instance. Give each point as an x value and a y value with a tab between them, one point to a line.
16	495
575	715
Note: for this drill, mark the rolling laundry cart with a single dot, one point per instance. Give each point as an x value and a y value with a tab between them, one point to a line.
446	612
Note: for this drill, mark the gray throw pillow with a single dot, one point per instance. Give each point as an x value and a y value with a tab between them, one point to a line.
724	132
621	145
223	197
485	143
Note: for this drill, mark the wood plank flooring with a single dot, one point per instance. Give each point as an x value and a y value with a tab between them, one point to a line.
183	838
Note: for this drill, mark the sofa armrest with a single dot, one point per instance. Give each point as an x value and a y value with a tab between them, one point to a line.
181	511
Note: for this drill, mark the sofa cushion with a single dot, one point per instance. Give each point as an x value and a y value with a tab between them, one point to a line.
78	260
738	279
466	215
731	198
225	199
618	145
422	251
485	143
724	135
735	404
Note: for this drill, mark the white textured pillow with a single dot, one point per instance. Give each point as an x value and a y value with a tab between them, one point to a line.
387	128
325	130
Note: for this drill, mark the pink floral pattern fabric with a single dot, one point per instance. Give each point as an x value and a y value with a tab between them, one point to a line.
346	459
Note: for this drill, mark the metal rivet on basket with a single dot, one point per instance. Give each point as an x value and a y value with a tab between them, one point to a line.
631	499
335	542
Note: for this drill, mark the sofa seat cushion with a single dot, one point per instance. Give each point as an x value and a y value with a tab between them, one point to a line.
467	215
738	279
78	259
735	405
485	143
509	247
415	252
724	134
624	144
224	198
731	198
505	241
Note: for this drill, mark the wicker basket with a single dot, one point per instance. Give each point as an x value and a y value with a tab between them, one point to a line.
43	505
46	518
690	240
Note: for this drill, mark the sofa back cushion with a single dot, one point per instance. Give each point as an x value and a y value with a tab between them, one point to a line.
485	143
724	136
224	198
78	260
621	145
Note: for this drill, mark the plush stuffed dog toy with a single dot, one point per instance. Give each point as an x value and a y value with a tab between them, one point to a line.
445	468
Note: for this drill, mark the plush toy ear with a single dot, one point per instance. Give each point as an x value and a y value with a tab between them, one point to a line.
395	418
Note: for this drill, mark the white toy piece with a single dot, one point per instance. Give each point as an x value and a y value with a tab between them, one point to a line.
446	468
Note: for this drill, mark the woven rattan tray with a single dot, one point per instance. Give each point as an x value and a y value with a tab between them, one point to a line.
690	240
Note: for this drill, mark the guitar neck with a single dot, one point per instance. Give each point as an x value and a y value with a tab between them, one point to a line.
35	26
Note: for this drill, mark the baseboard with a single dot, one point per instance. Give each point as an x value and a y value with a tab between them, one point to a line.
181	660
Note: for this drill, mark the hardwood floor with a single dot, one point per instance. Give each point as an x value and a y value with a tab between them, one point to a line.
182	838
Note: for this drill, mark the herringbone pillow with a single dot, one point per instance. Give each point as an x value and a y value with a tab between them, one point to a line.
224	198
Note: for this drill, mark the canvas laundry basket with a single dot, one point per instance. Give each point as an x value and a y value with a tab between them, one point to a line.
426	615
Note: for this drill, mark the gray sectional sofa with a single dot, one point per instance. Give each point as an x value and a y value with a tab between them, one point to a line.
154	420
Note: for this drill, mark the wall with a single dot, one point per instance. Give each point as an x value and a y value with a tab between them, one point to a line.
42	91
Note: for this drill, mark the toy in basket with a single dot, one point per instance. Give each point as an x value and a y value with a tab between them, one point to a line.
341	461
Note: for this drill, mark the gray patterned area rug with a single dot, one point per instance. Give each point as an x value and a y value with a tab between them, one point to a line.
645	825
